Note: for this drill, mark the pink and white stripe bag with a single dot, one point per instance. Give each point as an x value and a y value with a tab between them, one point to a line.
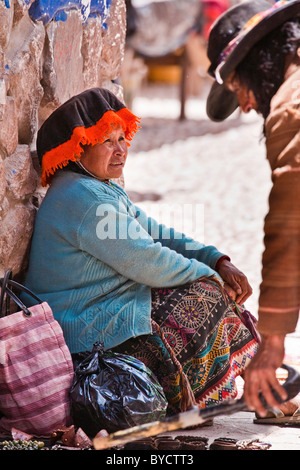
36	369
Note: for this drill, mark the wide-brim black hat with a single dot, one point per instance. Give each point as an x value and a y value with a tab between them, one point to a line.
231	38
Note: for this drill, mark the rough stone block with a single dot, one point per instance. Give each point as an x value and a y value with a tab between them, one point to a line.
91	52
114	88
15	235
4	208
2	181
2	62
63	63
8	124
21	177
24	58
3	98
21	8
6	21
113	41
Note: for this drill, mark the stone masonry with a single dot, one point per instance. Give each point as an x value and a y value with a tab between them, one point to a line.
41	66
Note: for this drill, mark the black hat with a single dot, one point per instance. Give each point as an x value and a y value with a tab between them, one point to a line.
232	36
84	119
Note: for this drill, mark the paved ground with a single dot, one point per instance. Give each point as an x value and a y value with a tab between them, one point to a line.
212	181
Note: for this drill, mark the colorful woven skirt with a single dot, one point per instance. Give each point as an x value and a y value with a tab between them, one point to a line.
197	334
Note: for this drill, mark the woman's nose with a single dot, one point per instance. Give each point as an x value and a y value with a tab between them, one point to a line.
119	147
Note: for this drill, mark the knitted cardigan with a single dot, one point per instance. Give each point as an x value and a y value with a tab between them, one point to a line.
95	257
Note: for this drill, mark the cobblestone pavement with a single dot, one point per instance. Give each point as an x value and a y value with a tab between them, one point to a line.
212	181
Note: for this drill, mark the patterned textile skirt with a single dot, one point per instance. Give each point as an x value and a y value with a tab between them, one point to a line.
198	341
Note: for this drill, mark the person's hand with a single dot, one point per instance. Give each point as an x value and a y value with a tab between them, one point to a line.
260	375
235	282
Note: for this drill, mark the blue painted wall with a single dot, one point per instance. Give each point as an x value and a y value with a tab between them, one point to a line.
48	10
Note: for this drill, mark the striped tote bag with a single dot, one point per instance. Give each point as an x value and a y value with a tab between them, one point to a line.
36	369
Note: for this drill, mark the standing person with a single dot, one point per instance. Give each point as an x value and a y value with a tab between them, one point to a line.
112	274
254	50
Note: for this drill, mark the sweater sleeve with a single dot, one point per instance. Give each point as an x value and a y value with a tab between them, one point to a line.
279	300
178	241
114	235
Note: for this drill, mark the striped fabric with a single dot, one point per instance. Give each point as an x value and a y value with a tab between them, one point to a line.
36	373
279	300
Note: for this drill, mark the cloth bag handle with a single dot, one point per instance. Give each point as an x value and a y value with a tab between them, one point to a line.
6	285
4	282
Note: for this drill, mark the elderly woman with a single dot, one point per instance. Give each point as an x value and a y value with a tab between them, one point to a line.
254	49
114	275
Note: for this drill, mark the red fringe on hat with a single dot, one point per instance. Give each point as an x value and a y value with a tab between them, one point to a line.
71	150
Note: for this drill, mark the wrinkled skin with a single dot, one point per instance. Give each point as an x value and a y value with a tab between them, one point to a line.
236	283
260	375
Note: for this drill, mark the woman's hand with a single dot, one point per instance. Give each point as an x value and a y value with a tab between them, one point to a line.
236	283
260	375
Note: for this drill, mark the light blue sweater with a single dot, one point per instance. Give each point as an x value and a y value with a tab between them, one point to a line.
95	257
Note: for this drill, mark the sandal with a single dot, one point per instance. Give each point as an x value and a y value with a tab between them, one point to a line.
278	418
192	442
225	443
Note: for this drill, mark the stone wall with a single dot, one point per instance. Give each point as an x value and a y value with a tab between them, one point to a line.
42	64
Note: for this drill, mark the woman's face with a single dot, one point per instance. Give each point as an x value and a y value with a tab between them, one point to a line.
245	97
107	160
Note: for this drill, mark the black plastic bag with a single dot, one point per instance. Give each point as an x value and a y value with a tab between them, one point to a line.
113	391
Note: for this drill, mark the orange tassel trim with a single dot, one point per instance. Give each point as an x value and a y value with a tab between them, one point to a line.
72	149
